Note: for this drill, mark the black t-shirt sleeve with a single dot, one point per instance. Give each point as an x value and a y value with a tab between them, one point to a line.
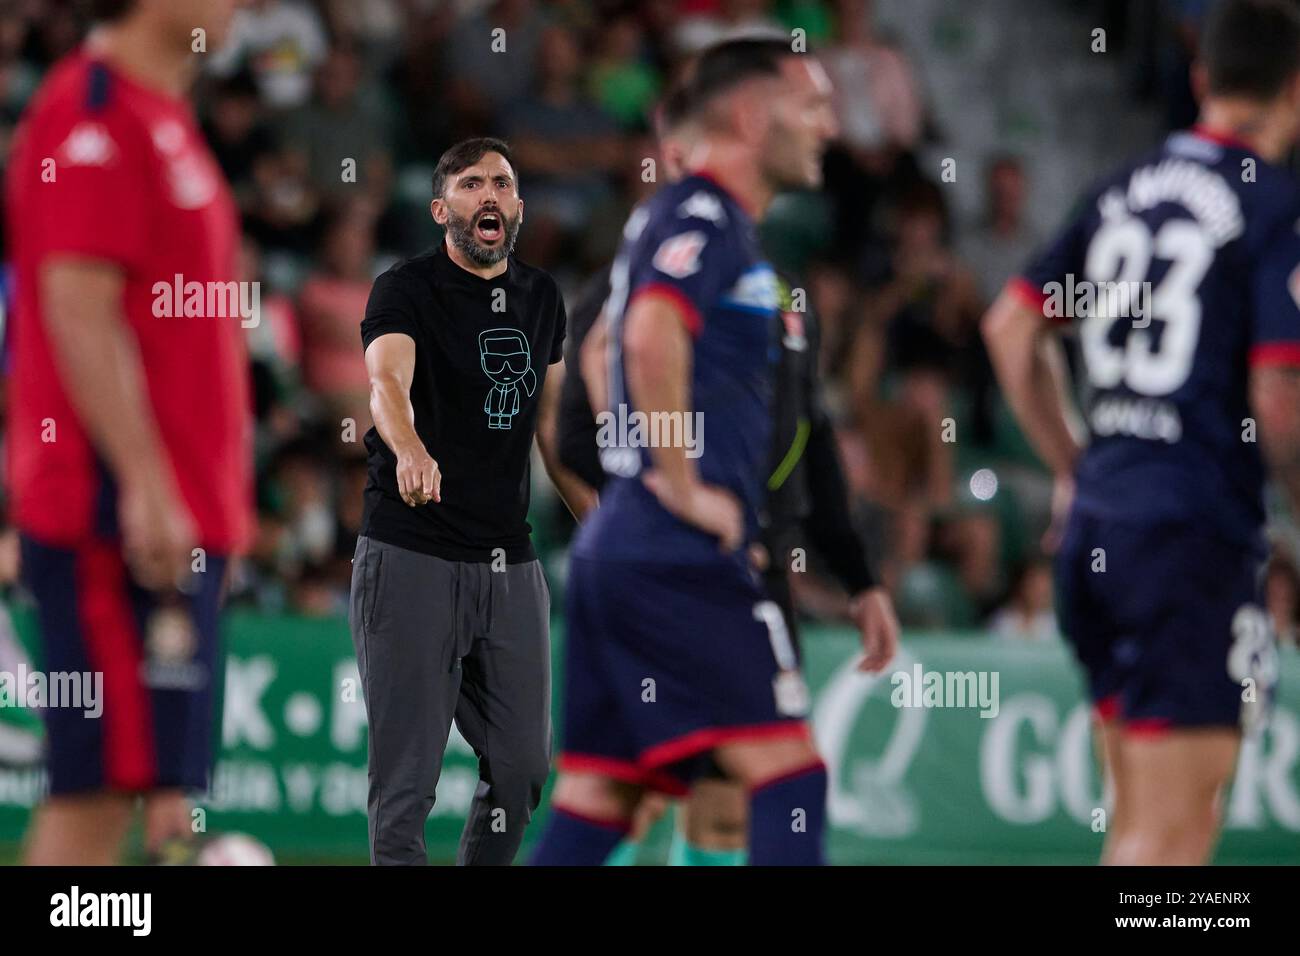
390	308
561	323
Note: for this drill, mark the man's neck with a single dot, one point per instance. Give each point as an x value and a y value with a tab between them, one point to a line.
734	168
1248	122
137	50
483	272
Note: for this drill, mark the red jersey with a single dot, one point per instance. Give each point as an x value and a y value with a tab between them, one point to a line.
106	168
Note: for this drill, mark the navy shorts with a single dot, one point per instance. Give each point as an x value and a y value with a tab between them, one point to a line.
1168	622
153	665
663	663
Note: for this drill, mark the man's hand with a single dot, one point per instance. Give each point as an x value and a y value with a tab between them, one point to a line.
1062	500
166	817
158	533
419	479
872	612
710	508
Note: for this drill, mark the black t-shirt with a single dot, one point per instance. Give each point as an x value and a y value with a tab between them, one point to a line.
481	351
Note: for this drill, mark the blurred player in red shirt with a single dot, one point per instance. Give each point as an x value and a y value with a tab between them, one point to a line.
129	445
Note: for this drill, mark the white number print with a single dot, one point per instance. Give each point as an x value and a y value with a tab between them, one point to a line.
1121	252
792	698
1254	657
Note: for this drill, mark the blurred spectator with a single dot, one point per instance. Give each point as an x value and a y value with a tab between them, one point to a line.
931	308
237	132
623	84
344	121
882	119
275	352
876	95
421	77
281	42
374	27
56	29
730	20
1177	52
1282	596
895	470
1004	240
1028	615
482	78
332	304
566	150
284	209
18	77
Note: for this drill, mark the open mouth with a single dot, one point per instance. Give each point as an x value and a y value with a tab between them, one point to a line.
488	227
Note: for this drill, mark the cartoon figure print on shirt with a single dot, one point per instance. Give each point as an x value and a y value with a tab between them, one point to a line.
507	362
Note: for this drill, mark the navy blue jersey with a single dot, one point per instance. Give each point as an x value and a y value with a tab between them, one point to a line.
693	243
1180	272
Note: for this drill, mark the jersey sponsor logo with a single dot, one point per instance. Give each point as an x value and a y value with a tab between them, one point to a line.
192	182
168	137
171	649
88	145
755	290
621	462
702	205
679	256
795	338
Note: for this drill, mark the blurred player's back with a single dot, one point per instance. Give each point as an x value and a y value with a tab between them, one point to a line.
1174	270
1182	273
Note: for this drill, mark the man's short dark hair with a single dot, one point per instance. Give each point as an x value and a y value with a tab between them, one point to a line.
1251	48
106	11
673	110
464	155
726	65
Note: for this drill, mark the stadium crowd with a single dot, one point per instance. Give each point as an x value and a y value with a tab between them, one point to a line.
328	116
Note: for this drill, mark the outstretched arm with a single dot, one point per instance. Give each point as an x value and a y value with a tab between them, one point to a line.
390	363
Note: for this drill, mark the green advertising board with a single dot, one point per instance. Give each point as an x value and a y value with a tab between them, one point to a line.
1009	778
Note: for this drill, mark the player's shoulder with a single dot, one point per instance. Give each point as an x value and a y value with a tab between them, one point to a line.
686	222
414	269
82	114
82	86
406	283
532	278
694	202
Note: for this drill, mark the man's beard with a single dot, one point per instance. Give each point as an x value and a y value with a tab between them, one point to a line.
461	231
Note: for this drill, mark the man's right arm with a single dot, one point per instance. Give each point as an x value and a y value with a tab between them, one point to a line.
1275	402
101	370
390	364
1017	337
1274	357
657	356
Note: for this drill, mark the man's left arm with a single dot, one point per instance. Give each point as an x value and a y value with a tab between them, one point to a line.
578	496
830	530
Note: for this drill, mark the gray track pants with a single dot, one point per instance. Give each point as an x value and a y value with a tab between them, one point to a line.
440	639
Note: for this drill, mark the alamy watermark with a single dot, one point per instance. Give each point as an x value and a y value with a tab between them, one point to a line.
940	689
73	690
208	300
1083	299
621	432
